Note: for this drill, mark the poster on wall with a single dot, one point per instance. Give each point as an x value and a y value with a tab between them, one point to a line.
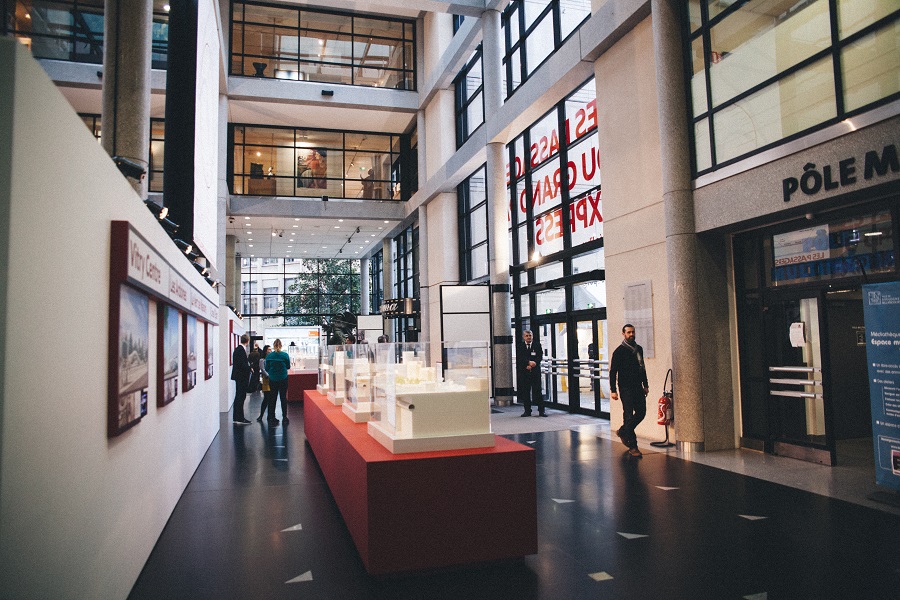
190	352
312	167
168	335
209	350
881	311
132	373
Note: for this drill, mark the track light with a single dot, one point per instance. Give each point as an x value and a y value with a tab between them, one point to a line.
159	211
201	269
170	226
184	246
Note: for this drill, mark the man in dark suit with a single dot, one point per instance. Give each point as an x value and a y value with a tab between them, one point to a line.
528	373
240	374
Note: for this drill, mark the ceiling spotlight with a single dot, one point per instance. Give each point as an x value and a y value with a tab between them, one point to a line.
184	246
160	211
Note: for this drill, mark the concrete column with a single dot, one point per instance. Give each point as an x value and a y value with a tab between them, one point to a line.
498	203
420	148
703	414
125	118
232	273
364	286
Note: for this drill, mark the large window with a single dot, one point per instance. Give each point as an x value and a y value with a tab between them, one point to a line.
406	278
469	88
556	219
297	292
376	280
764	72
157	147
301	44
281	161
72	30
473	227
535	29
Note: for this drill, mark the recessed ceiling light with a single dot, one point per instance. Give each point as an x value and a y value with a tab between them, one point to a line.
295	226
380	228
357	252
251	245
340	220
290	246
296	219
249	233
248	218
373	235
250	240
324	247
387	221
337	226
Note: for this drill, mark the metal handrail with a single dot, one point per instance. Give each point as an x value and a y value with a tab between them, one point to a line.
796	381
795	369
795	394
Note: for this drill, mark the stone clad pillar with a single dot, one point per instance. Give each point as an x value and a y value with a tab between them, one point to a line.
364	286
498	205
704	418
424	296
125	119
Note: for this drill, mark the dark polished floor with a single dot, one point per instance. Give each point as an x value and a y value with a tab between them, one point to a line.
257	521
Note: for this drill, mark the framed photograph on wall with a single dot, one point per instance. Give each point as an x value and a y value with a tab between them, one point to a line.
130	378
189	352
168	365
210	355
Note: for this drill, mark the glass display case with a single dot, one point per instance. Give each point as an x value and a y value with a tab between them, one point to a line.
337	364
359	383
418	407
324	363
304	357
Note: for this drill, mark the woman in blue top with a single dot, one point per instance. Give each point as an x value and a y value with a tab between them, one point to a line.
277	365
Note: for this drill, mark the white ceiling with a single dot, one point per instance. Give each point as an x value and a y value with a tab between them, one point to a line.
305	237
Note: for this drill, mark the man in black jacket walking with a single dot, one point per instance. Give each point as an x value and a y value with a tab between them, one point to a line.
628	375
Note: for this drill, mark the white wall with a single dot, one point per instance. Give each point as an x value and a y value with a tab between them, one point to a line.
634	224
79	513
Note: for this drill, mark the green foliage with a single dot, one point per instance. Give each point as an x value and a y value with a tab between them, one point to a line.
321	289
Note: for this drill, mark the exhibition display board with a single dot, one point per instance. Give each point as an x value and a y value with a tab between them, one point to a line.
426	510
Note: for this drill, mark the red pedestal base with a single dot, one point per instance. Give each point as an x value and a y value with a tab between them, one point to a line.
426	510
299	383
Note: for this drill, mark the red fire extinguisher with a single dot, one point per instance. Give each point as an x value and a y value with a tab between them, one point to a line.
665	413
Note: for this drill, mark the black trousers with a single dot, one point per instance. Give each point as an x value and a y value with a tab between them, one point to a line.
634	409
240	394
530	391
279	388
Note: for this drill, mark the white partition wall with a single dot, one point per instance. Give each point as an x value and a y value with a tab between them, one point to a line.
466	314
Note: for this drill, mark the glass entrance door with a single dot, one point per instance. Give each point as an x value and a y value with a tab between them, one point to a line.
797	419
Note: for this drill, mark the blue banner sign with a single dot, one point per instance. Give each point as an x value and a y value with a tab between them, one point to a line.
881	308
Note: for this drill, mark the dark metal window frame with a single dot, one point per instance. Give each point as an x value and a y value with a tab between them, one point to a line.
399	158
516	10
462	103
406	277
834	51
409	72
466	208
324	299
376	277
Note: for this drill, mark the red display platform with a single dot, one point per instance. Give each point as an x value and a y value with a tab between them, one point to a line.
425	510
299	382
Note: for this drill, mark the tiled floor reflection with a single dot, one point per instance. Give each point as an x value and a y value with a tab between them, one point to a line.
257	521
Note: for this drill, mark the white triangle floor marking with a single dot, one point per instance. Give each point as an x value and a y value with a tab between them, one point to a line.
296	527
752	517
600	576
532	442
282	459
278	446
667	489
561	501
759	596
632	536
301	578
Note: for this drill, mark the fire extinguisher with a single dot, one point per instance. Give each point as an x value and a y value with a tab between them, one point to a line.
665	412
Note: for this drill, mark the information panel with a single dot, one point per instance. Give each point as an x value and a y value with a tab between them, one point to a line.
881	307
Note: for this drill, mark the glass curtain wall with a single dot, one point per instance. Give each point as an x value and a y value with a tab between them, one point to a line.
535	29
157	147
406	277
764	72
301	44
72	30
556	233
469	87
283	161
291	291
473	227
376	281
